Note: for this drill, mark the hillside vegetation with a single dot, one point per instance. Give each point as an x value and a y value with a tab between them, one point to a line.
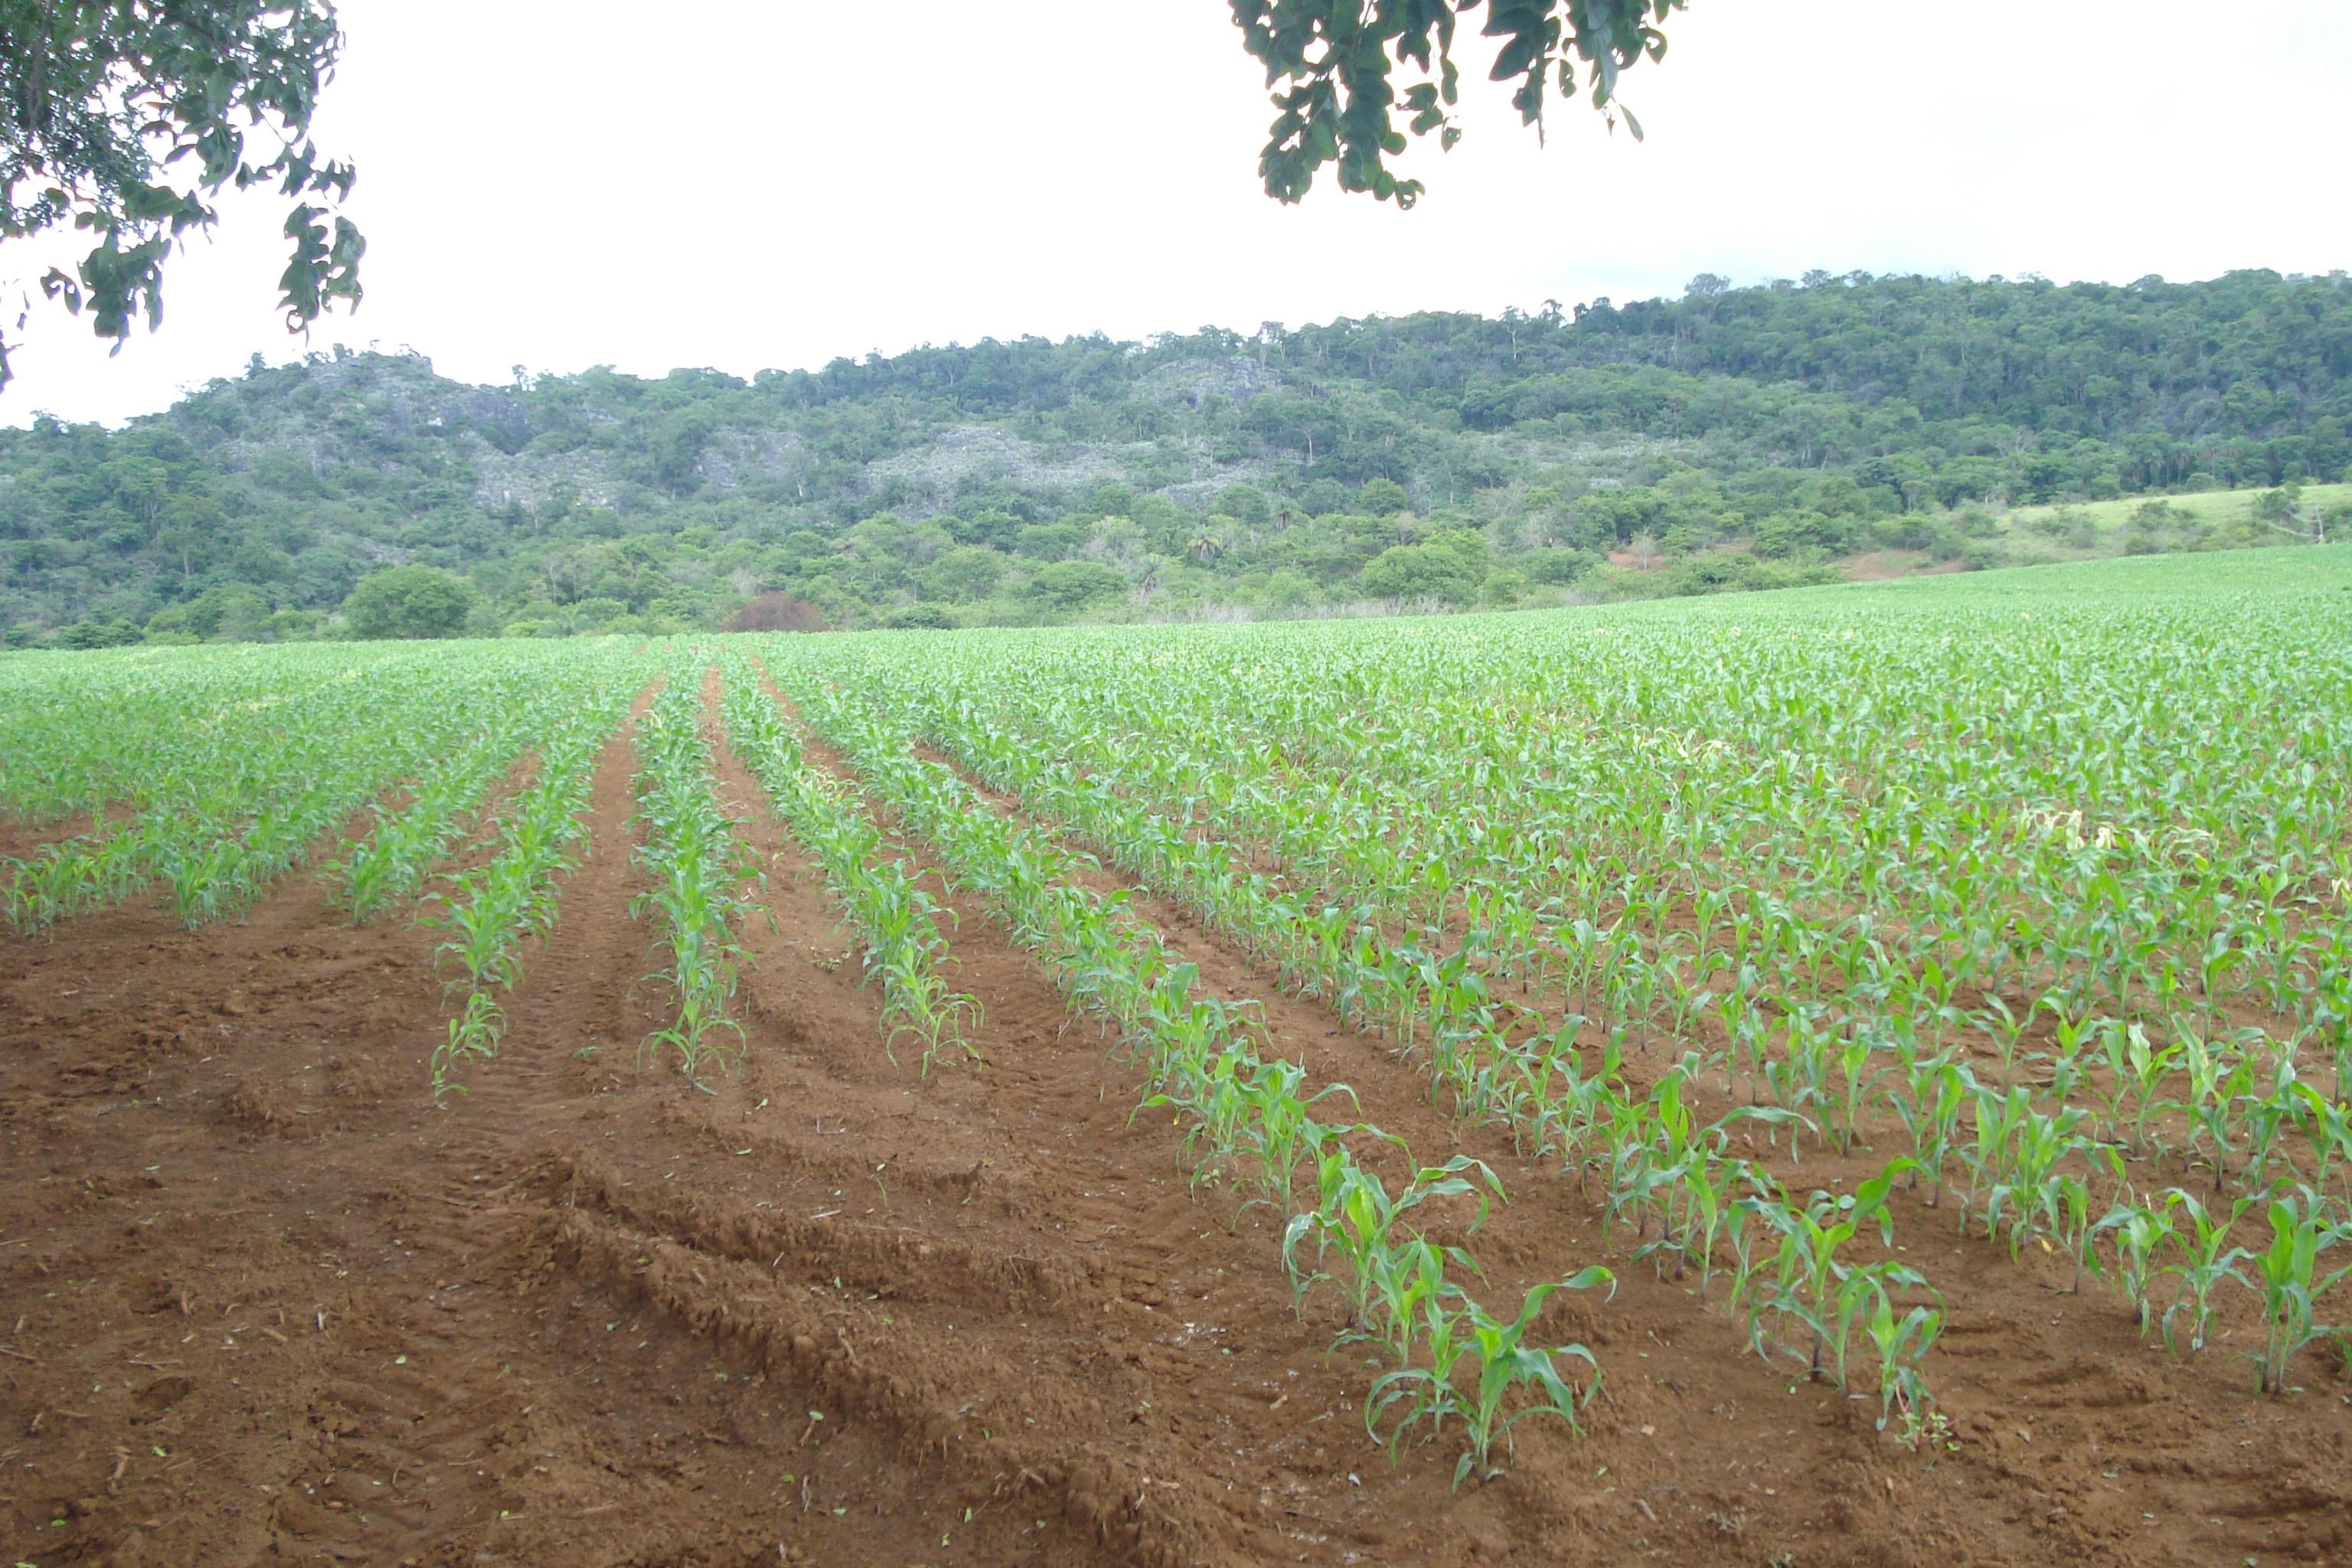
1793	432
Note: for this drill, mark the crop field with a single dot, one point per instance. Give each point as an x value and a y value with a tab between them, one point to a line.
1861	1075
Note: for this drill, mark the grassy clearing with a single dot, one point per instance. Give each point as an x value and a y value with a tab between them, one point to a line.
2082	530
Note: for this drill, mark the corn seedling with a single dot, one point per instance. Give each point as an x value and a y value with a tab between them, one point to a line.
1810	1280
1355	1214
2208	1258
1934	1093
1459	1333
2141	1232
2287	1276
475	1032
2062	1210
1900	1345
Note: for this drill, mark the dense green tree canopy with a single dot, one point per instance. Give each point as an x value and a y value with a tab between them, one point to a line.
1076	584
1420	571
1789	422
122	118
233	612
411	602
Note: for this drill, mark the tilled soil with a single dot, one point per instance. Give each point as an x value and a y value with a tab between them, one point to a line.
263	1303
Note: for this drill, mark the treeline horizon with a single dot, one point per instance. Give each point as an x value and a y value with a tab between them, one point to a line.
1732	438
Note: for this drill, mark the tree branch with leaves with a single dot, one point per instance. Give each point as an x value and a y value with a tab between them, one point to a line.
1333	64
125	117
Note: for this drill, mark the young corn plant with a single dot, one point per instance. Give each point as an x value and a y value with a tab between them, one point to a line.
472	1033
2328	1123
2018	1151
1860	1071
1665	1137
2287	1276
1504	1360
1207	1094
2207	1259
1934	1092
1862	1294
1810	1280
2061	1211
1354	1217
1280	1135
2216	1085
2141	1232
1711	1207
2116	1044
2266	1113
1800	1077
1408	1394
1568	1108
1460	1335
2147	1066
1900	1345
1406	1276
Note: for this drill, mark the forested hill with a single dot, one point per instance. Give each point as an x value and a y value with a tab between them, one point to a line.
1731	437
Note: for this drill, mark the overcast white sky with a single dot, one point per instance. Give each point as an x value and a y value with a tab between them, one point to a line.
748	183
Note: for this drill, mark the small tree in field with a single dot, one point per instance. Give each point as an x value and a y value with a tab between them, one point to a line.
1420	572
409	602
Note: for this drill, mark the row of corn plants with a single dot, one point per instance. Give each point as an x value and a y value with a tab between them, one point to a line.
56	763
1442	1010
1248	1120
244	797
492	911
699	865
2024	1156
1547	864
392	860
897	921
1357	818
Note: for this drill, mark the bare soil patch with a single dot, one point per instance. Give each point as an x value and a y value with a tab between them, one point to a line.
1879	565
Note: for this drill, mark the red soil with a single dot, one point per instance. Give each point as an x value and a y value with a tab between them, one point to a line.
269	1306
